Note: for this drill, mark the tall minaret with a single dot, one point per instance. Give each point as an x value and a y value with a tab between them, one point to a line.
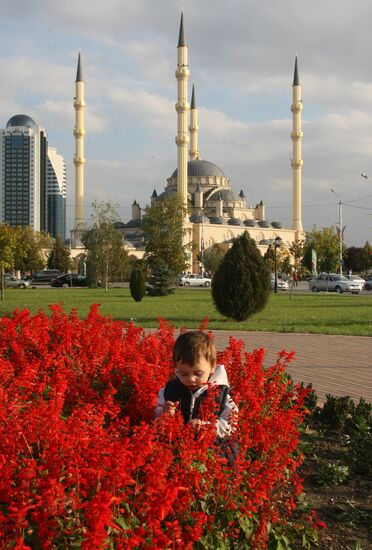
79	159
194	127
296	161
182	108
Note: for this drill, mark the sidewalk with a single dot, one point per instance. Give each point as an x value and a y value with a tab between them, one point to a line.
338	365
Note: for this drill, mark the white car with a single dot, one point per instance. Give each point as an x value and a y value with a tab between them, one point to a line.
280	283
12	282
194	279
333	282
359	280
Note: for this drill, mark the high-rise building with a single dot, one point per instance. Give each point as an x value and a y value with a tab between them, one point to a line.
23	163
56	193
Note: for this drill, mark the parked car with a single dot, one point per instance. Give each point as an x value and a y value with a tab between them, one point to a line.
12	282
357	279
194	279
69	280
45	276
368	283
333	282
281	284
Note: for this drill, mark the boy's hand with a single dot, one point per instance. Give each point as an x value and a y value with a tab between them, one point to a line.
196	423
170	407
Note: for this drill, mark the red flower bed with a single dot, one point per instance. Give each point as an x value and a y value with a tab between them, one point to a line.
85	465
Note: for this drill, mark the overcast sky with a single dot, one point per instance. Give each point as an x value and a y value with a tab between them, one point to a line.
241	59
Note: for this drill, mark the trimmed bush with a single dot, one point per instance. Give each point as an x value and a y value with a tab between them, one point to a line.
241	284
137	283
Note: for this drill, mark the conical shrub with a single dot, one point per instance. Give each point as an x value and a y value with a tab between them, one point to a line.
137	283
241	284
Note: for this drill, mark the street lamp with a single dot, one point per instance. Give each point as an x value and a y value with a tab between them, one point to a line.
277	242
340	228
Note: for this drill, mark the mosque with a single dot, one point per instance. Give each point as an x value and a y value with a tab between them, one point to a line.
216	213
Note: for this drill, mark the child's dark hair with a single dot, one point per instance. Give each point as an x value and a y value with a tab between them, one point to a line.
190	346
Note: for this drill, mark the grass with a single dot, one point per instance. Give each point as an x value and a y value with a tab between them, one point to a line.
312	313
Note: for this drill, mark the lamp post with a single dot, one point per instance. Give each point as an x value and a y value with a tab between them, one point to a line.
340	228
277	242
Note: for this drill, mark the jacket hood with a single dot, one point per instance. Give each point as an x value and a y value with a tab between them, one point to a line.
219	376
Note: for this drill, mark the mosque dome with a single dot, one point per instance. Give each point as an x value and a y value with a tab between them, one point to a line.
201	168
216	220
119	225
199	218
234	221
20	120
223	194
250	223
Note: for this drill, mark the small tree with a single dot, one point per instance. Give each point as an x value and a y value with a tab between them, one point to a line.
212	257
59	256
137	283
166	250
241	285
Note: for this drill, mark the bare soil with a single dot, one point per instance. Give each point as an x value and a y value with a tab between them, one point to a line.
346	506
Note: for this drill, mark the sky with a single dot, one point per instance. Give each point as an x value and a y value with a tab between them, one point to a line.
241	60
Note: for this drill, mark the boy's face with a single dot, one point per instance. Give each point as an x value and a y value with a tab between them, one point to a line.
194	376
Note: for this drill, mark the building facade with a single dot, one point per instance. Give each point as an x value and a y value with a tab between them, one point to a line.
32	178
23	165
56	193
217	213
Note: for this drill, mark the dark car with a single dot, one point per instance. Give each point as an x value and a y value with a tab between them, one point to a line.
368	283
45	276
70	279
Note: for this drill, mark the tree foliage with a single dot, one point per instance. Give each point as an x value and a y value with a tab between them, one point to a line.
7	246
212	257
166	250
359	259
106	257
137	283
241	285
59	256
327	246
29	256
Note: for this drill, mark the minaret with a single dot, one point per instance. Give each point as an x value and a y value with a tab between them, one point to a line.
182	108
79	159
296	161
194	127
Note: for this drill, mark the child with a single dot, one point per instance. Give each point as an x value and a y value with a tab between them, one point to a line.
194	357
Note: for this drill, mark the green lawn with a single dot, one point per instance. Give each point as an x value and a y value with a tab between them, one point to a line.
316	313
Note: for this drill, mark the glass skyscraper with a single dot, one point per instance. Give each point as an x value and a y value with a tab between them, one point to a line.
27	175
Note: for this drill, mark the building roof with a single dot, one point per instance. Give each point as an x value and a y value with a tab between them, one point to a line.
223	195
79	72
20	120
181	37
201	168
296	80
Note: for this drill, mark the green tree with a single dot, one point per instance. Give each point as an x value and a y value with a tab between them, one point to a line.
327	246
30	247
59	256
166	251
359	259
297	252
137	283
7	253
241	285
105	253
212	257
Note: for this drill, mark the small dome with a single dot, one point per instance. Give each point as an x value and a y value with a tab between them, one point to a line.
201	168
119	225
234	221
199	218
20	120
263	223
133	223
250	223
277	225
226	195
216	219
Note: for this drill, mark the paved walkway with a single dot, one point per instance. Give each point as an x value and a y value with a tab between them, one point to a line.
339	365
